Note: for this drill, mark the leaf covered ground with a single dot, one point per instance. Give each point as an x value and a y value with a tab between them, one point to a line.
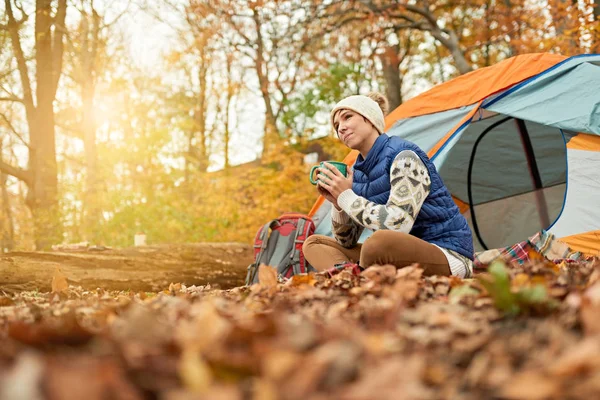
515	332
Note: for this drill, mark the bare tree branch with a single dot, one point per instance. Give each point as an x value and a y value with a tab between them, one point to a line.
73	159
6	73
73	131
13	130
12	98
57	44
13	27
427	22
118	17
17	172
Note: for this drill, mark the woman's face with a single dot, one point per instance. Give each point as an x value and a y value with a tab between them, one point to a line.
354	130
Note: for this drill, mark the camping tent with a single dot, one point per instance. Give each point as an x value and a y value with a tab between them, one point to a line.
518	146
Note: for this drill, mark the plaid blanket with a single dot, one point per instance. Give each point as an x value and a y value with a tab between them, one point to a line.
542	242
355	269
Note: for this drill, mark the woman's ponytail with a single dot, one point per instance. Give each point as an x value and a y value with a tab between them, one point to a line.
381	100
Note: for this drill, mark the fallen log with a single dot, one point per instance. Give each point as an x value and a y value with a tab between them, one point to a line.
144	268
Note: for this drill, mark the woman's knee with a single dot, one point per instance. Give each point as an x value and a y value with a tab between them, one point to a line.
310	241
372	247
379	246
313	241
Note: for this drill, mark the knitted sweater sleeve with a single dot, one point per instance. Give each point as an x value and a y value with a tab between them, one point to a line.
410	185
345	230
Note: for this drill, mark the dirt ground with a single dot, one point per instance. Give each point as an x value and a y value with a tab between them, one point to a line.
148	268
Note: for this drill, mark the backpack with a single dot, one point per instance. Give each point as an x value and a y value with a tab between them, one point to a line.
279	244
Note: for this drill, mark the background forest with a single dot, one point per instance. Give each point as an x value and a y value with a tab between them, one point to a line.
205	140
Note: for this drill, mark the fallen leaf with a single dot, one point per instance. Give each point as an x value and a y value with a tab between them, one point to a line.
589	317
194	371
535	255
578	360
264	390
6	301
394	379
520	280
174	287
531	385
380	273
267	276
205	330
435	374
85	377
278	365
62	331
302	279
140	324
459	292
59	281
23	380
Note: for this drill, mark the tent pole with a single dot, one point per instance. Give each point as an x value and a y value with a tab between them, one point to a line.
534	172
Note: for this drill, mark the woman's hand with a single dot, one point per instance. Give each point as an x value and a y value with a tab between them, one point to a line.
333	182
323	192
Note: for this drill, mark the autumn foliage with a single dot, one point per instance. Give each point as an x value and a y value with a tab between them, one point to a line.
97	144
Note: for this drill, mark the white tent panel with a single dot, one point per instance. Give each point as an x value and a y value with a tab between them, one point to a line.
581	212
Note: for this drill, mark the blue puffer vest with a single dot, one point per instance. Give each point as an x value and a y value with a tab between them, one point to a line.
439	221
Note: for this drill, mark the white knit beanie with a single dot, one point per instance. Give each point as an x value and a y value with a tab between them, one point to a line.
364	106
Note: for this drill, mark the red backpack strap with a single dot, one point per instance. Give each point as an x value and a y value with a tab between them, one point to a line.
295	256
308	230
303	230
293	215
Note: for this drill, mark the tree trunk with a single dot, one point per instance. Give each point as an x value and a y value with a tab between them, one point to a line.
187	164
596	45
91	200
230	94
41	178
8	231
200	114
271	134
390	61
48	58
89	53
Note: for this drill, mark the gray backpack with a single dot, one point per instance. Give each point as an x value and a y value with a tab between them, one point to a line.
279	244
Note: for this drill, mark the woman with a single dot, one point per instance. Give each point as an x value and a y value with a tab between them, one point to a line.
394	190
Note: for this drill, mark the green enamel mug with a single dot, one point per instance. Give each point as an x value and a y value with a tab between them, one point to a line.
343	168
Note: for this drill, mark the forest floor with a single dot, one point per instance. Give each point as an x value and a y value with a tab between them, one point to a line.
162	323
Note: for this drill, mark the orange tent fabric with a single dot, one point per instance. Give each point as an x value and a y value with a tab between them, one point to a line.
587	242
584	142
